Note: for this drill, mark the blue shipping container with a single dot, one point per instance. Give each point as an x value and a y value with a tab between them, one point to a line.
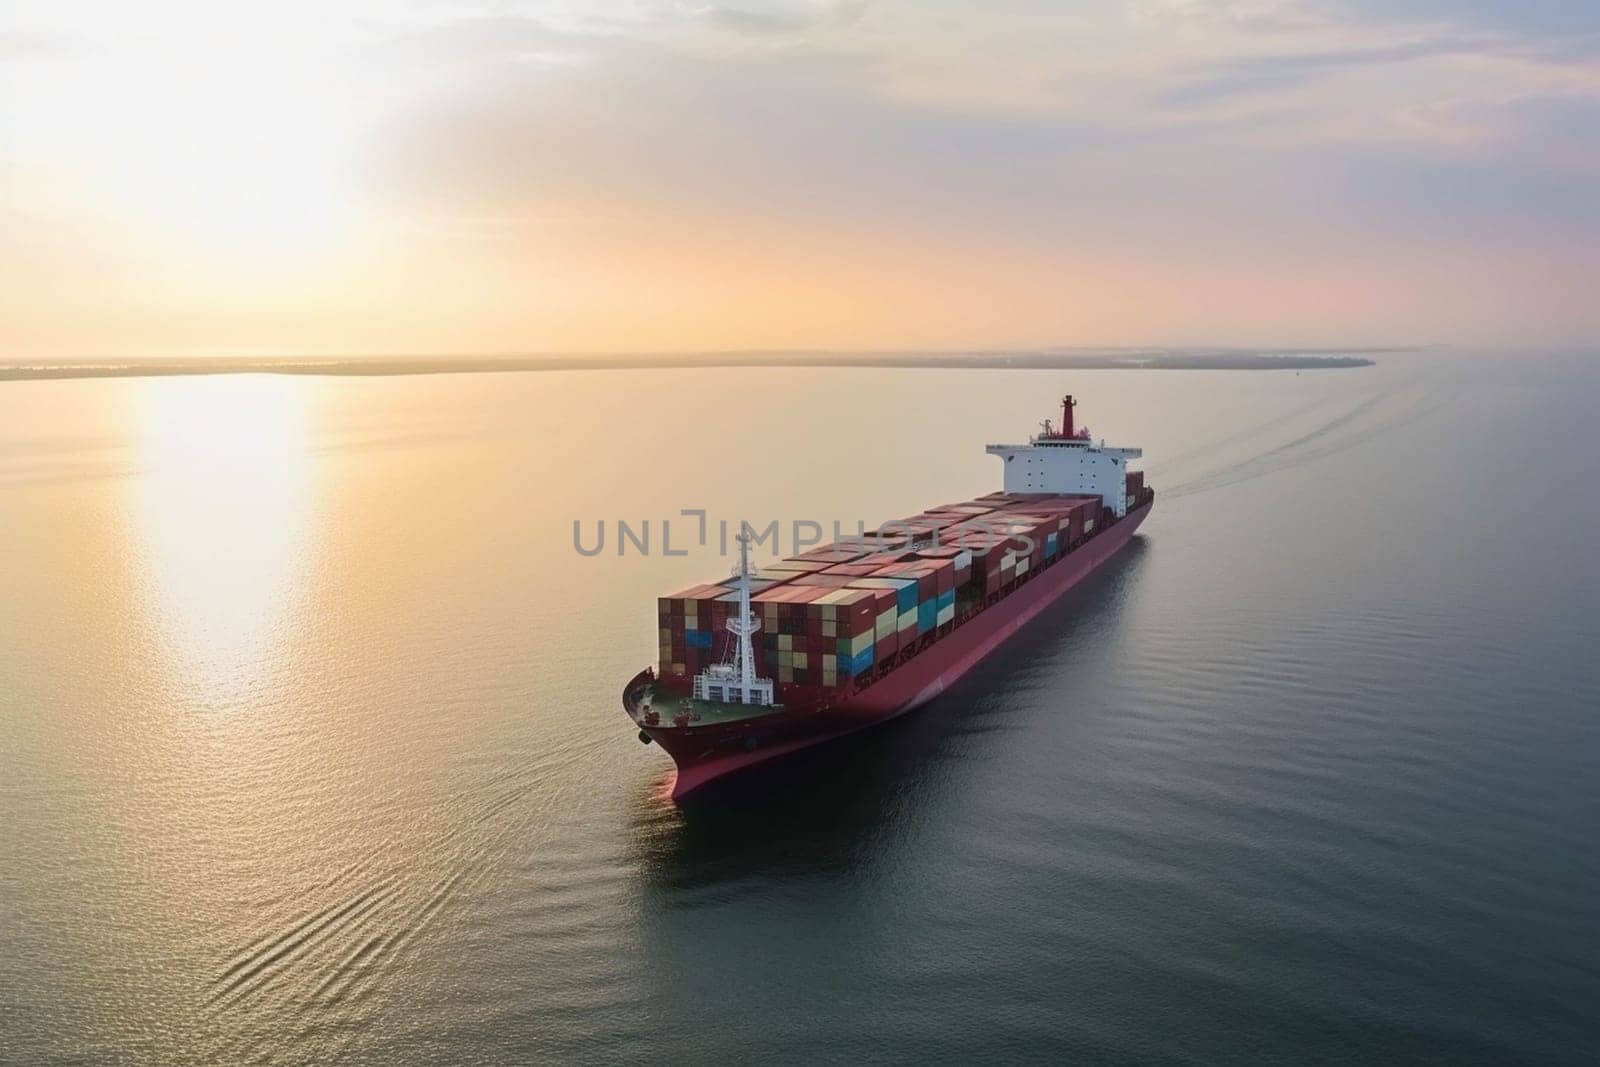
697	638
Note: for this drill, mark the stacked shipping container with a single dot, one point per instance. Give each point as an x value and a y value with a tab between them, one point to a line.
837	612
1135	488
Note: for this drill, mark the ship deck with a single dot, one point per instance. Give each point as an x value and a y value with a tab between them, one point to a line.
706	712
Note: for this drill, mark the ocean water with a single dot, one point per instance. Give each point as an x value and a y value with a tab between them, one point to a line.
313	749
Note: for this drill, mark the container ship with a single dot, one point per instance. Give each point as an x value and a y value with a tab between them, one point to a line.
851	634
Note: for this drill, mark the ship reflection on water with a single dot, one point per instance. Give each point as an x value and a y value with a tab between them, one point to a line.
816	811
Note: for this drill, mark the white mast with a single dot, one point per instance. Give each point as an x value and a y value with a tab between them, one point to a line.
736	682
745	624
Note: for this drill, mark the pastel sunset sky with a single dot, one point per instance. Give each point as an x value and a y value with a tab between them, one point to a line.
354	176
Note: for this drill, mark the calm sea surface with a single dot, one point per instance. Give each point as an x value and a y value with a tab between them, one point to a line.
313	750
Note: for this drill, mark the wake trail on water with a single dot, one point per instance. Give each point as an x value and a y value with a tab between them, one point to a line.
350	931
1369	417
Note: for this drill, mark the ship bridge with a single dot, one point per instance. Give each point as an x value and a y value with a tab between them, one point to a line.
1065	460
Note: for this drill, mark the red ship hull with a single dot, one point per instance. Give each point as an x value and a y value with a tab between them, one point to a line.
706	753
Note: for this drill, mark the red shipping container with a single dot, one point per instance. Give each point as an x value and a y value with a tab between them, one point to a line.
986	557
705	591
879	559
825	580
884	600
834	553
944	573
856	615
853	570
968	537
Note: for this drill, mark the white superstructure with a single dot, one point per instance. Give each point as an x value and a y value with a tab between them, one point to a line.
734	680
1068	462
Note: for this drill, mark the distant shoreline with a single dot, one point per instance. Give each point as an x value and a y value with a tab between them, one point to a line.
1104	359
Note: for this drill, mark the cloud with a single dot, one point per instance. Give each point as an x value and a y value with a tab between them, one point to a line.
21	46
1513	18
784	163
788	20
1267	73
482	40
1555	29
1257	15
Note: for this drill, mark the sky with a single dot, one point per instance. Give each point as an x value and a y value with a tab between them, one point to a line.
353	176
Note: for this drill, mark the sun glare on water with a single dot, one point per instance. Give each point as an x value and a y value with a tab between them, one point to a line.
222	506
